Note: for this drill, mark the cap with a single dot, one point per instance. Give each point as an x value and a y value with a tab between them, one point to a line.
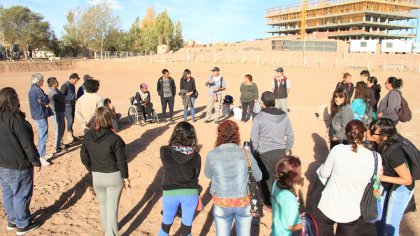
215	69
144	85
87	77
280	69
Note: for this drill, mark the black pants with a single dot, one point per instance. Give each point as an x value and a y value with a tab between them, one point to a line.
167	101
245	106
270	159
146	110
326	226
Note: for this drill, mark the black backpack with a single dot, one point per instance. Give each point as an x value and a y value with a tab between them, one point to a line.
368	116
412	155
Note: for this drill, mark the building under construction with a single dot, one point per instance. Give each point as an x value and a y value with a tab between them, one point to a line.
346	19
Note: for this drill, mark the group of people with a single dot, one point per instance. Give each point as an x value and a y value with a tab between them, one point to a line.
348	167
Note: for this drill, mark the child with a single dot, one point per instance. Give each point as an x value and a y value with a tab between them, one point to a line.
115	116
285	203
142	100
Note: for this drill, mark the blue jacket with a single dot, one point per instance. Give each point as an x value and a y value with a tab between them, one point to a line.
37	102
358	107
226	166
69	91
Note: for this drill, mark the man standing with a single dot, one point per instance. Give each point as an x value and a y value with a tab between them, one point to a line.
69	91
271	136
364	75
281	87
166	90
82	88
58	105
216	85
40	111
87	104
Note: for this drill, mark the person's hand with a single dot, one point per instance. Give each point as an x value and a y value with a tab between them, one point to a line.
37	168
327	137
189	93
380	173
127	185
288	152
207	83
380	114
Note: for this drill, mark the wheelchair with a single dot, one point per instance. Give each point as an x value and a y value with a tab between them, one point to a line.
135	116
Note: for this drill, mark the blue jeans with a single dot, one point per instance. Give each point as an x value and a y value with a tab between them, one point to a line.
191	109
391	210
17	186
223	218
59	123
69	114
42	126
170	207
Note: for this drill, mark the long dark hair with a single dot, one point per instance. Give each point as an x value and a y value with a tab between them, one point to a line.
355	133
340	91
361	91
102	119
184	135
288	172
186	72
384	127
394	82
376	87
9	101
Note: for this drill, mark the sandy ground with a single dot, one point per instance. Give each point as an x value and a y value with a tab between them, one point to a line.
64	200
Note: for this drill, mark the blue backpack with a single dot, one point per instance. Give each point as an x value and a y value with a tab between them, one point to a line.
309	225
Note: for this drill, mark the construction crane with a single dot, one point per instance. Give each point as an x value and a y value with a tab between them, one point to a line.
303	20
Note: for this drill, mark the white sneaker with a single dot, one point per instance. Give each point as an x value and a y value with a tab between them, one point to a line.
44	162
48	156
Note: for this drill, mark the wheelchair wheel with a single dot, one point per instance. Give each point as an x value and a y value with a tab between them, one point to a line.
155	117
132	115
140	119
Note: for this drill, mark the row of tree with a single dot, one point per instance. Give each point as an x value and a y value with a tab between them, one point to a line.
94	28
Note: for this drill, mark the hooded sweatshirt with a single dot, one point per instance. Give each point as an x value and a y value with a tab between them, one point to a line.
181	170
271	130
104	152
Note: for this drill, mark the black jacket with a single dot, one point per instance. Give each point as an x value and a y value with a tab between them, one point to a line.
17	150
181	171
104	152
160	86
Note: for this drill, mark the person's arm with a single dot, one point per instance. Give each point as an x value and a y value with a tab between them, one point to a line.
198	166
346	117
42	97
288	85
223	83
58	98
85	157
256	172
79	114
255	92
326	169
23	131
357	107
393	101
255	135
100	103
137	98
290	139
208	172
372	97
404	176
121	157
64	89
173	87
158	87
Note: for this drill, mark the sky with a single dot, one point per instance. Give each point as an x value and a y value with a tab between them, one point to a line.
204	21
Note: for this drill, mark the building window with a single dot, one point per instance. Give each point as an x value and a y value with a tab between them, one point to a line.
389	45
363	44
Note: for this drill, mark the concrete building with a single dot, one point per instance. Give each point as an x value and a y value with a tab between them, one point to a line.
346	19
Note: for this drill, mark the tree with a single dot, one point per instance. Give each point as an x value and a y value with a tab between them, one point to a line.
178	41
19	24
71	40
133	36
164	29
149	37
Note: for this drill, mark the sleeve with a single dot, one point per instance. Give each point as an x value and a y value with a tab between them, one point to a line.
292	214
148	98
372	97
272	85
396	158
254	167
346	117
158	87
80	92
290	139
100	103
357	109
208	172
255	135
173	87
23	131
223	82
121	157
193	84
326	169
288	84
78	113
394	103
85	157
137	98
64	89
42	97
181	84
198	167
58	98
256	91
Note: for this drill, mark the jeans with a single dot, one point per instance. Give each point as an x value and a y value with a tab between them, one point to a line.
281	103
245	106
69	114
170	207
167	101
17	186
391	210
191	109
223	218
59	123
42	126
108	186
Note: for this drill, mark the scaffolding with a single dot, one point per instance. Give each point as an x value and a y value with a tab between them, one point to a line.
332	19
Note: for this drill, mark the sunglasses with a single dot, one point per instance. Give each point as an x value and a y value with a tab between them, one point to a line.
373	133
338	95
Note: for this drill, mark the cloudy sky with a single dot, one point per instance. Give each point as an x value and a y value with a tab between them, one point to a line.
204	21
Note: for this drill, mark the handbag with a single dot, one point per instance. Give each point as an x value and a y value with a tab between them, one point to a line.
371	196
257	201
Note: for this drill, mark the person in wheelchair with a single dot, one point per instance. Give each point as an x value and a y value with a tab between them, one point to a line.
143	102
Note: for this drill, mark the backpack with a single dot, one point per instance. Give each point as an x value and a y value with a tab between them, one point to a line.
404	113
309	225
412	154
368	115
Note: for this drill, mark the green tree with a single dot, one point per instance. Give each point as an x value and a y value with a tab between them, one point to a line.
19	24
178	41
149	37
71	40
164	29
133	37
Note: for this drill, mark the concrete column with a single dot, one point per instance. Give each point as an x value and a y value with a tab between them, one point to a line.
364	18
379	19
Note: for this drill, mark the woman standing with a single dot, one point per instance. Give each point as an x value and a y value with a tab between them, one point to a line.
286	220
397	185
359	104
181	164
18	158
226	167
346	84
341	114
187	84
374	93
103	153
391	103
349	169
249	96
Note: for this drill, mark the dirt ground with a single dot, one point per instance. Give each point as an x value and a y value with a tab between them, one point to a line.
63	199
